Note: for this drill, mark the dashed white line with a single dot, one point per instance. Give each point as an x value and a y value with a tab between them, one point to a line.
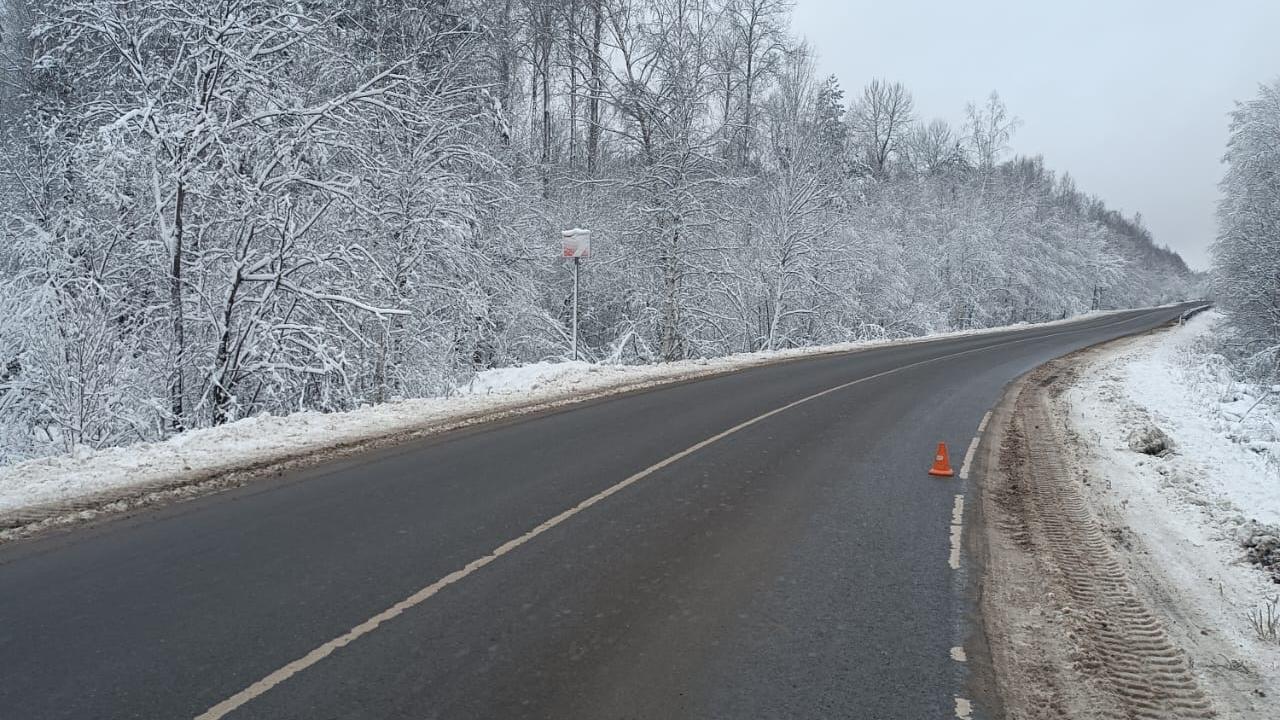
957	511
957	527
964	709
973	446
968	457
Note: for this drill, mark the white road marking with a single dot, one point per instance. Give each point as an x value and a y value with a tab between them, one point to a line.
973	446
282	674
957	527
964	708
957	530
968	457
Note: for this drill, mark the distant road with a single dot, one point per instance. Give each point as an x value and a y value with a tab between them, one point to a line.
764	544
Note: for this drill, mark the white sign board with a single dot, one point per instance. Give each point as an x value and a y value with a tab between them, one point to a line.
576	243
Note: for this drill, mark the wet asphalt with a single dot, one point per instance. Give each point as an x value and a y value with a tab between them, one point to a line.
796	568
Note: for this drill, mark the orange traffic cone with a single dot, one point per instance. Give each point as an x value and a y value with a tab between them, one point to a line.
941	462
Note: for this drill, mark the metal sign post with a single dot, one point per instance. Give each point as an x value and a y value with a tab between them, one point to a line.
577	245
577	262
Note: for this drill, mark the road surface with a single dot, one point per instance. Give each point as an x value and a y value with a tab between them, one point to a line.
759	544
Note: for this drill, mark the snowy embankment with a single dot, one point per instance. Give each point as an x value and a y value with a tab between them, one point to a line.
1200	515
36	489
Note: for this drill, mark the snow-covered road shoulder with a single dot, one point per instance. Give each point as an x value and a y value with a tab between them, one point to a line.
1183	517
66	488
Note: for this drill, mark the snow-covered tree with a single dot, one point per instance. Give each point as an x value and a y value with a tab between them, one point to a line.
1247	252
209	211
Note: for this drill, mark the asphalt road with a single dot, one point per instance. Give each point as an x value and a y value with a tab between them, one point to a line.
796	567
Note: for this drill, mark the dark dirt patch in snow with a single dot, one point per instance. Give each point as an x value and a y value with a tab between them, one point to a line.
1262	547
1150	440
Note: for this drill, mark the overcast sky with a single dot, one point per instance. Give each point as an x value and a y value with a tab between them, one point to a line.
1129	96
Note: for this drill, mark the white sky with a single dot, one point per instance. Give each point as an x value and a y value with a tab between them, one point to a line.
1129	96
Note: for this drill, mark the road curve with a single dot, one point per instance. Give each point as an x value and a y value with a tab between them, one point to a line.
797	565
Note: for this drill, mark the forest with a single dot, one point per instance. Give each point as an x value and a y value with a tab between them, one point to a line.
215	209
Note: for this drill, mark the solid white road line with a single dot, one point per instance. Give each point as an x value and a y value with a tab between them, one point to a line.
260	687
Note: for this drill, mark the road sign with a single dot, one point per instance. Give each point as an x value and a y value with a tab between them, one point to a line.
576	243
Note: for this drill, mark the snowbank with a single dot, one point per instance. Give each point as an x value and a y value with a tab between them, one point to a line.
29	490
1190	508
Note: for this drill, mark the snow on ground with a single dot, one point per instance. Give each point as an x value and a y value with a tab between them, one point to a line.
94	474
1231	433
1190	509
